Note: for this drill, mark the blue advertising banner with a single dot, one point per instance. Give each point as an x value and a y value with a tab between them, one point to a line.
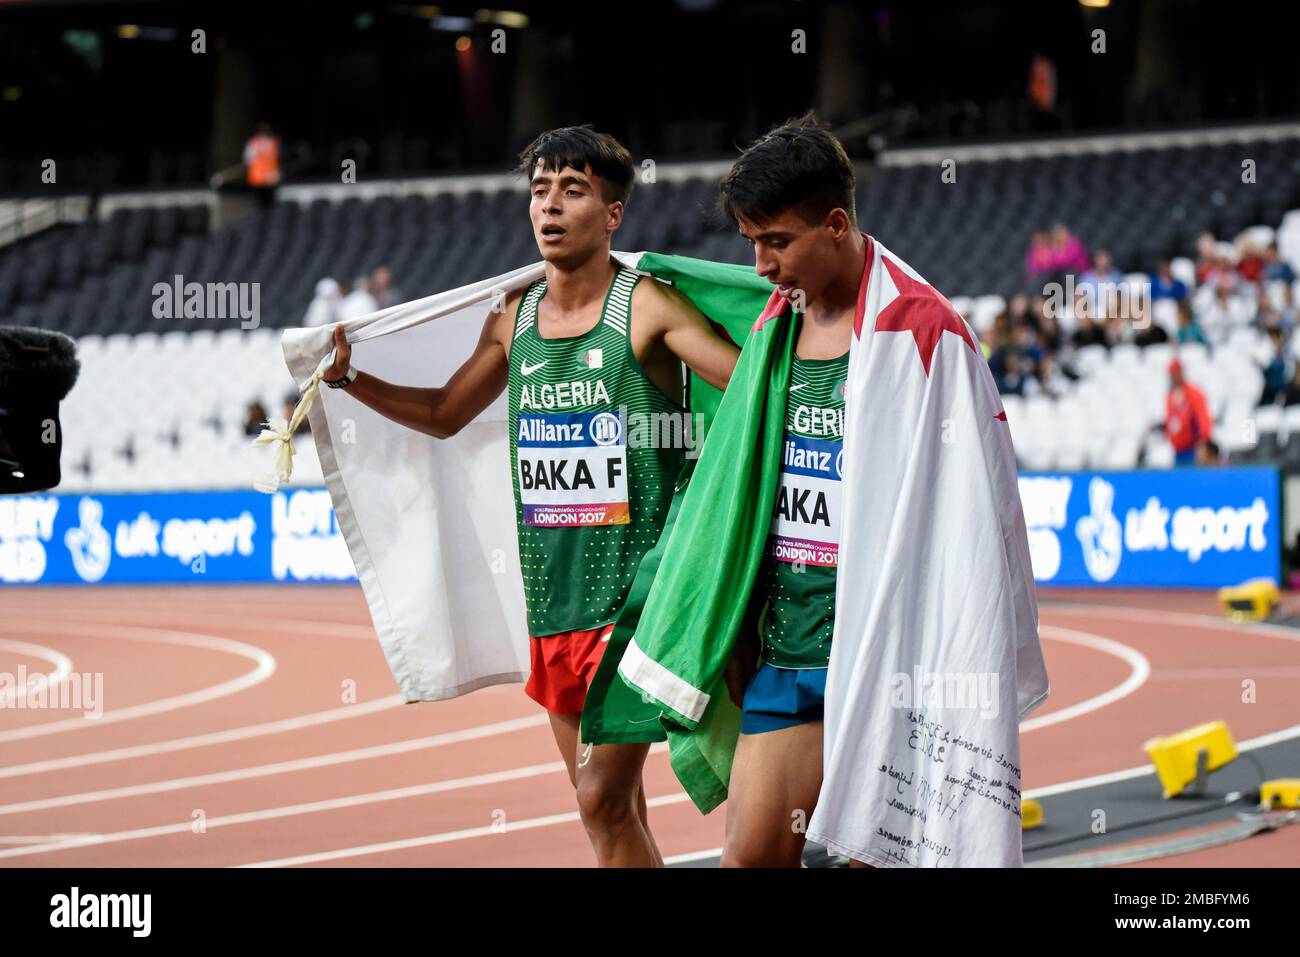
1186	527
1192	528
171	537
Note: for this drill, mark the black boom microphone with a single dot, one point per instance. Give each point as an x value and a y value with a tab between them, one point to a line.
37	370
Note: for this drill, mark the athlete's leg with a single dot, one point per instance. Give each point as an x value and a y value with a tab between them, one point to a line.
775	779
643	811
606	792
565	729
607	777
611	799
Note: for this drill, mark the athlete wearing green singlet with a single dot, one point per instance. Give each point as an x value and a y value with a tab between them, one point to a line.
588	504
796	584
798	574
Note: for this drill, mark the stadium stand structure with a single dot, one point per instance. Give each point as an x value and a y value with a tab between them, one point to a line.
161	402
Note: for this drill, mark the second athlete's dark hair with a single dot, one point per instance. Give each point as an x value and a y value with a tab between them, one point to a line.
798	165
582	147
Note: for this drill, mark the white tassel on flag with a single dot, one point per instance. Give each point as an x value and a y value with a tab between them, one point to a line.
278	430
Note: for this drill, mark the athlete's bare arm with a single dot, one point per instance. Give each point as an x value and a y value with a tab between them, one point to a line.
670	321
440	412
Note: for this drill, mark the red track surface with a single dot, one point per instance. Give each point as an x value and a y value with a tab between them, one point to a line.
477	781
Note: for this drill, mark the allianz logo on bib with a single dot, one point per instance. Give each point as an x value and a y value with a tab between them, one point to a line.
601	428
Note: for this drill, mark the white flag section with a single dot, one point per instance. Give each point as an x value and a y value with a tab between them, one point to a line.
430	523
936	655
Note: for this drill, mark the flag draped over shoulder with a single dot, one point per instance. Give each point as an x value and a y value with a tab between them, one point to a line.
936	655
710	562
430	523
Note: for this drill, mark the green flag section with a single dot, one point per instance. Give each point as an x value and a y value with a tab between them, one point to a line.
704	569
732	297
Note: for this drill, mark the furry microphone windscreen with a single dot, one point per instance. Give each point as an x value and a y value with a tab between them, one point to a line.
35	365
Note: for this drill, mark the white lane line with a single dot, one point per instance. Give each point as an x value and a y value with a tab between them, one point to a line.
62	668
279	767
264	667
251	622
693	856
1139	671
446	837
291	810
38	838
311	807
204	740
1234	674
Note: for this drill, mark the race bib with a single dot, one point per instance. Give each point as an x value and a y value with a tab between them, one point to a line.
806	519
572	469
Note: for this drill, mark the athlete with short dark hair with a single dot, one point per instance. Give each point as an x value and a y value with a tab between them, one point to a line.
588	339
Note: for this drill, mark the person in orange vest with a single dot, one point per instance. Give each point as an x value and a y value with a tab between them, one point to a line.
1188	422
262	160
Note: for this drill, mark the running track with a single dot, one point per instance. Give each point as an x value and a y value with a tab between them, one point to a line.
260	726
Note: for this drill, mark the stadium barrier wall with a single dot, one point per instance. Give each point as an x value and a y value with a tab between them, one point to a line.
1183	528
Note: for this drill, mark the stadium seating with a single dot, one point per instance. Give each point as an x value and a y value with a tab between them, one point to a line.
168	397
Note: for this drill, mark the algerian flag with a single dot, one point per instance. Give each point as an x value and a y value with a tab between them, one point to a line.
430	523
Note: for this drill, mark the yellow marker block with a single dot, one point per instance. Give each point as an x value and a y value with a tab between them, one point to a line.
1031	814
1175	756
1280	793
1254	600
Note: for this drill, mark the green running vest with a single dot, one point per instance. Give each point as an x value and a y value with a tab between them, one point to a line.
595	450
797	577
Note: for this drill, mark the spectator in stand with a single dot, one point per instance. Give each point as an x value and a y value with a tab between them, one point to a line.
1018	309
1050	379
291	403
1014	377
997	337
1266	317
1116	330
1146	331
1187	416
1250	261
358	302
1068	254
323	310
1041	258
1280	368
1287	314
1165	286
381	287
1275	268
262	163
1025	341
1207	258
1050	336
1188	329
1101	283
1087	332
254	417
1223	273
1209	454
1220	310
